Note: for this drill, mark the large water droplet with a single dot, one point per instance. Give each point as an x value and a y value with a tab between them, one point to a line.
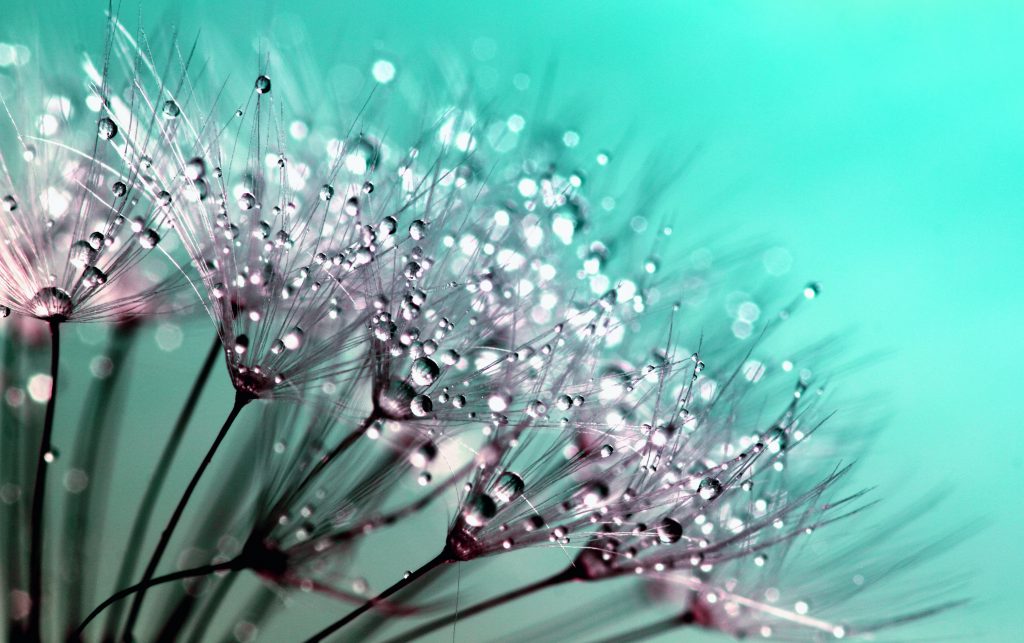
508	487
709	488
106	128
424	371
171	110
479	510
51	303
421	405
292	340
262	84
669	531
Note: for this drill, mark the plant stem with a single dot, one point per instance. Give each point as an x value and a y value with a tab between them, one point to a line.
156	482
563	576
443	558
202	570
35	577
90	441
241	400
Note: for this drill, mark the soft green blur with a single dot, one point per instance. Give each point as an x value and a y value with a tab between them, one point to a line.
882	143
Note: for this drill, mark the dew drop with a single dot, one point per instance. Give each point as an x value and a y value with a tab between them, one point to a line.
119	189
326	193
106	128
171	110
247	201
292	340
425	371
82	254
421	405
669	531
508	487
93	277
417	230
10	204
479	510
709	488
262	84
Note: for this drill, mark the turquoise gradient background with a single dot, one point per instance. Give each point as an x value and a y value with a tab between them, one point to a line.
881	142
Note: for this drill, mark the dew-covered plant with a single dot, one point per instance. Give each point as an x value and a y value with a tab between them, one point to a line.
454	338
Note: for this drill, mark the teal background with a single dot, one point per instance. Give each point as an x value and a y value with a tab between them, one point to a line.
881	142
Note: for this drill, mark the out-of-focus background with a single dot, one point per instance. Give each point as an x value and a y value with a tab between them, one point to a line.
881	143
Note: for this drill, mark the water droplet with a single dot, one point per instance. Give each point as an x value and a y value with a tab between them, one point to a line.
10	204
149	238
82	254
171	110
607	450
812	290
421	405
417	230
594	493
119	189
425	371
292	340
51	303
262	84
669	531
777	440
423	456
536	409
326	193
241	344
709	488
93	277
508	487
106	128
564	402
479	510
247	201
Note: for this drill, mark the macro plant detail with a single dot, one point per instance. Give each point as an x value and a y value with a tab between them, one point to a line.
441	343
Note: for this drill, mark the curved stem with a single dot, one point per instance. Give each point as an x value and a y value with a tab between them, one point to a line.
241	400
432	564
35	577
563	576
156	482
202	570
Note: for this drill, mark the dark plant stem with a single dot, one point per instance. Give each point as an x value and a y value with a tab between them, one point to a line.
202	570
241	400
441	559
35	574
566	575
12	446
90	441
144	516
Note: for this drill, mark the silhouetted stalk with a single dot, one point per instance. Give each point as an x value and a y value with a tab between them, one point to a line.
202	570
35	573
241	400
81	514
563	576
140	525
443	558
10	460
